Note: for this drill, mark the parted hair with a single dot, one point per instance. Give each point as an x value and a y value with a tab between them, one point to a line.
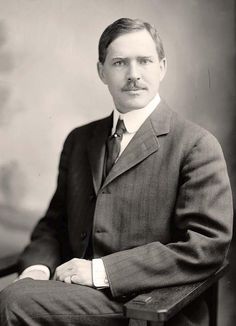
124	26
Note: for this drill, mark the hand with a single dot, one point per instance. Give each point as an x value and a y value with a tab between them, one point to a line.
34	274
78	271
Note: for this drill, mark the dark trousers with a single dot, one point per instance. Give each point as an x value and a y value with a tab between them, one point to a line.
34	303
54	303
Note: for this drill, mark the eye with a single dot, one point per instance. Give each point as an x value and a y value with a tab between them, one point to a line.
145	61
118	63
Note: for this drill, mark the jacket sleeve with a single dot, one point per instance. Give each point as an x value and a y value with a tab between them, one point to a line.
49	238
203	222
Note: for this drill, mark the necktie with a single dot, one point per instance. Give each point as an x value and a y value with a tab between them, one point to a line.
113	145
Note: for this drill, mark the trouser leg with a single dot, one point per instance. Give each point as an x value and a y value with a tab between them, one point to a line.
34	303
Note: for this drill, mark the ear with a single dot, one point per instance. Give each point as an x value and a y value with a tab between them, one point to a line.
101	73
163	68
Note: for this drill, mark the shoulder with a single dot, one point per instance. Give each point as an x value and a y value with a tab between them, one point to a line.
189	132
85	132
187	136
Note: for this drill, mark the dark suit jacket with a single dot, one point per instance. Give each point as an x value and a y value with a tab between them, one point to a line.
163	215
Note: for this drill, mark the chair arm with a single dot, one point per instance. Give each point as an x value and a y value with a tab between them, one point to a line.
159	305
8	265
162	304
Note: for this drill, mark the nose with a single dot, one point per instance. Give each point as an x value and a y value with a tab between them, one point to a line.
133	72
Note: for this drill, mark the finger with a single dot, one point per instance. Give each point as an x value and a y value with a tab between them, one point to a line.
75	279
64	266
81	279
67	279
64	274
68	265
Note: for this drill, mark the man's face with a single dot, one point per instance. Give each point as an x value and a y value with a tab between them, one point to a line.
132	70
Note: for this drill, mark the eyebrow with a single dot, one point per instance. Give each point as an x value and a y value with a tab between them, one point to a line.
118	58
146	58
138	57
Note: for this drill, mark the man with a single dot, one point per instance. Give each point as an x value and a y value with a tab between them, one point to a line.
143	201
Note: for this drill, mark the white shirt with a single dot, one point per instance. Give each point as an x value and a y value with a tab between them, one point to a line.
132	121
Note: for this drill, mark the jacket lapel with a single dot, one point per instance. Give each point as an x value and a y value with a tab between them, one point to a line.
144	143
97	148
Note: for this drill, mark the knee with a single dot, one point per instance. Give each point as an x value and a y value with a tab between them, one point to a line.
12	298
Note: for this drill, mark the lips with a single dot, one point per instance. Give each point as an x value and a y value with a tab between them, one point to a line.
133	89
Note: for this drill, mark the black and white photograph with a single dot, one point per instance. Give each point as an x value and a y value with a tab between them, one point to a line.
118	162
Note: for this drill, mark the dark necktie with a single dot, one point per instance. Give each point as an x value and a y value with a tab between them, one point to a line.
113	145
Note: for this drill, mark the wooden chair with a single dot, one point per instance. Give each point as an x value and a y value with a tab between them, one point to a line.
160	305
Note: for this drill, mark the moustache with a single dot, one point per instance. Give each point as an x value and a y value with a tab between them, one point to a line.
133	86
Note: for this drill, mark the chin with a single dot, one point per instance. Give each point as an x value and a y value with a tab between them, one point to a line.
129	104
135	105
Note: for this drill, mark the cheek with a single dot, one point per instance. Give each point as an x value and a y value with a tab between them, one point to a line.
153	77
114	82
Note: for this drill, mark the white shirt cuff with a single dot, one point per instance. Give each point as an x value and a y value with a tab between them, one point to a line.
41	268
99	274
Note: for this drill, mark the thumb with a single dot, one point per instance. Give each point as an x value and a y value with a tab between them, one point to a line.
75	279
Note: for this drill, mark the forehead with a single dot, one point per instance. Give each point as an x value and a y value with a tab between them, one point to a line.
137	43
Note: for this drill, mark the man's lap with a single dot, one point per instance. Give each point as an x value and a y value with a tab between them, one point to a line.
53	302
36	303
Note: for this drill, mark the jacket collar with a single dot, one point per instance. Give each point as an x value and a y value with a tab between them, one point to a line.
144	143
97	148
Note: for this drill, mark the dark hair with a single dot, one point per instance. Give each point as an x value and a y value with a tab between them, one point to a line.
124	26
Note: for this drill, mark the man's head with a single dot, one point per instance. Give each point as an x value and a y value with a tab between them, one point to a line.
131	62
124	26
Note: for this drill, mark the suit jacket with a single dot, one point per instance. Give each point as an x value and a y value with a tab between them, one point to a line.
162	216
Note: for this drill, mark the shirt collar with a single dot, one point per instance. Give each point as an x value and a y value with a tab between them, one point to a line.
134	119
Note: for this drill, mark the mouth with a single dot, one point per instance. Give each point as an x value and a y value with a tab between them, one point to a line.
133	90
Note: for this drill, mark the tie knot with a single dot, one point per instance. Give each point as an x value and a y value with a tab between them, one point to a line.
120	128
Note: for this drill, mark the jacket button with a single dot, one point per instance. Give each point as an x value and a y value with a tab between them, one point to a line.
83	235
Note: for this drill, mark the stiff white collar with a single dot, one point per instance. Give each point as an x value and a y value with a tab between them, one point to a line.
134	119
